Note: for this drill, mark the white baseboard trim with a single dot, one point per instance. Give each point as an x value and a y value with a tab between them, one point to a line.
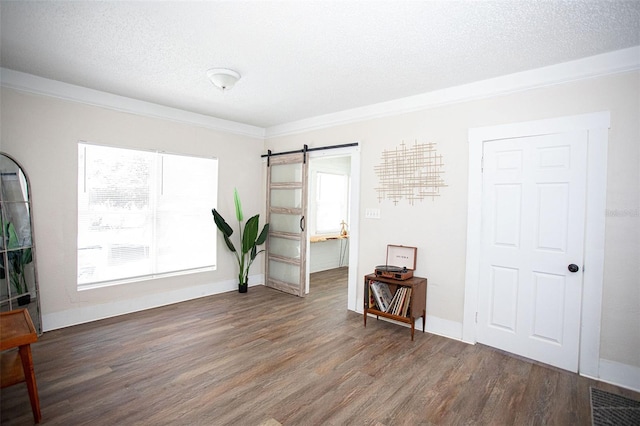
85	314
444	327
623	375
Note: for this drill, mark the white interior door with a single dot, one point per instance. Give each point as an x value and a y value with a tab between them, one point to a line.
533	221
286	214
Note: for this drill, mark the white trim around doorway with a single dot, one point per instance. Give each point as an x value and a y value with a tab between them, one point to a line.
597	125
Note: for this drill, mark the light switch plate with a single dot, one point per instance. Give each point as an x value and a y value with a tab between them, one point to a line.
372	213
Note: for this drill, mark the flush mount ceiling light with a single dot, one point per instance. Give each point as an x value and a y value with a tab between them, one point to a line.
223	78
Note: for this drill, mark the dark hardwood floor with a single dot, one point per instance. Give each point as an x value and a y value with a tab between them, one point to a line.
267	358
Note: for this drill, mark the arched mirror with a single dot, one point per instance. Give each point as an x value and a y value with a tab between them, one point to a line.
18	276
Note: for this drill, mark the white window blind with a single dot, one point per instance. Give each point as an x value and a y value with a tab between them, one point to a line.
143	214
331	202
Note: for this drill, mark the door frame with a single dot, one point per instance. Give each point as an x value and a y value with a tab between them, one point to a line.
596	125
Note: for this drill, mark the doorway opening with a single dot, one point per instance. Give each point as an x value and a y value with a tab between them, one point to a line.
333	195
328	216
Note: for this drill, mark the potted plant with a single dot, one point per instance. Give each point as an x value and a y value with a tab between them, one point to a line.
249	240
18	260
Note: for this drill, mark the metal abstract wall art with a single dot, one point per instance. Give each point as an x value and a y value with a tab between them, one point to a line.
411	173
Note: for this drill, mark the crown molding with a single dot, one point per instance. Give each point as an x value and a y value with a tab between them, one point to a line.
42	86
594	66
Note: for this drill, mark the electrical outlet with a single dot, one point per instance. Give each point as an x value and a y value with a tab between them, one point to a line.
372	213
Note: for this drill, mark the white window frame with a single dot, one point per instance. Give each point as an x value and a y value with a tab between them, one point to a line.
344	203
205	230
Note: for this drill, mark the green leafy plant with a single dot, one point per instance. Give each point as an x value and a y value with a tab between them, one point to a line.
249	238
18	260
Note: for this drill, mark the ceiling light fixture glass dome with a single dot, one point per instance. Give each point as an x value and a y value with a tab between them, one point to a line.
223	78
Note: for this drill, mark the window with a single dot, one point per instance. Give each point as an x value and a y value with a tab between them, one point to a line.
143	214
331	202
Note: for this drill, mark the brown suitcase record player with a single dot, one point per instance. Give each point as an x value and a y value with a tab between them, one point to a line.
401	262
395	272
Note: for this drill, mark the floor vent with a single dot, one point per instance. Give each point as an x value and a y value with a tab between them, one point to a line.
611	409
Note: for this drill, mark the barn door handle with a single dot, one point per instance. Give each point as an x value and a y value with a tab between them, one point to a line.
302	224
573	268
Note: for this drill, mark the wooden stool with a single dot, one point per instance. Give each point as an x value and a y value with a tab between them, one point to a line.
16	365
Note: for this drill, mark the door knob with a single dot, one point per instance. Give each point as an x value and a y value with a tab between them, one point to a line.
573	268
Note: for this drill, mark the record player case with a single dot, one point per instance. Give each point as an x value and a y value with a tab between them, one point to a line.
400	263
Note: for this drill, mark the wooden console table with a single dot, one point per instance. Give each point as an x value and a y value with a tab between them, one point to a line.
17	331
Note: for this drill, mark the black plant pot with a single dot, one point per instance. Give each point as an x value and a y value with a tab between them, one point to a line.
242	287
25	299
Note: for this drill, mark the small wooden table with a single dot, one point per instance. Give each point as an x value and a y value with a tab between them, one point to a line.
417	304
17	331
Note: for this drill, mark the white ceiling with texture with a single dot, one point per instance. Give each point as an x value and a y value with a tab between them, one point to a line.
300	59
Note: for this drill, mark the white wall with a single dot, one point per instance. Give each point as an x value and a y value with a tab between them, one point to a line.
438	227
41	133
328	254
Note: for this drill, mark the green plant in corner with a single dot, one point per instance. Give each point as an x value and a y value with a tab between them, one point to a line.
249	239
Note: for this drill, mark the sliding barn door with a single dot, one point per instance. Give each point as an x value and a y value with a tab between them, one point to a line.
286	214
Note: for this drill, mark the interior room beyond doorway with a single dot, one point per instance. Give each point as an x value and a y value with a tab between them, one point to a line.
329	210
